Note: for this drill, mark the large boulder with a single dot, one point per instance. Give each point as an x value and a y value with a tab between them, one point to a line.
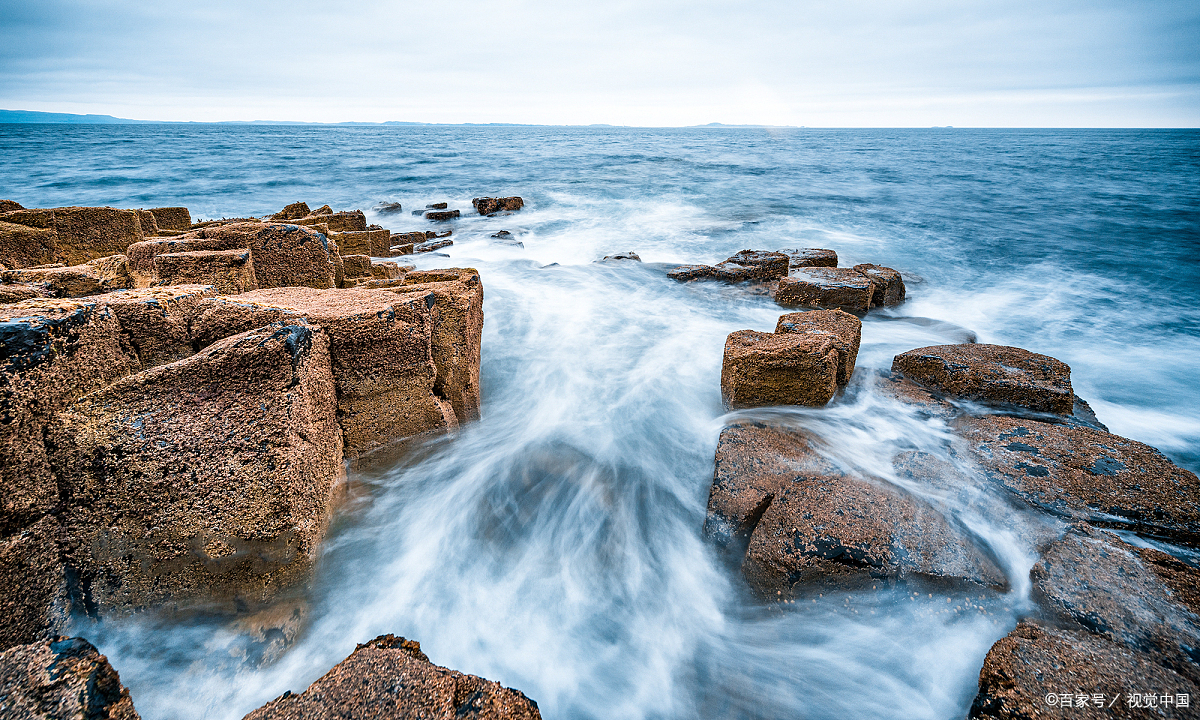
157	321
64	678
889	285
1081	473
172	218
844	328
35	601
992	374
83	233
389	678
1035	671
811	257
22	246
229	272
1094	579
826	287
284	255
295	211
381	349
492	205
752	266
763	369
208	480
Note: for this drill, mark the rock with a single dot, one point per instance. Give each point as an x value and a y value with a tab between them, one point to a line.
441	215
228	271
356	266
10	205
140	256
352	221
457	333
375	243
1093	578
149	224
752	265
283	255
388	208
687	273
16	292
34	598
763	369
627	255
83	233
403	249
434	234
491	205
992	374
172	218
92	278
52	352
22	246
1034	662
389	677
431	245
501	235
845	328
157	321
889	286
386	270
381	347
437	206
206	481
824	287
1084	474
61	679
811	257
323	210
295	211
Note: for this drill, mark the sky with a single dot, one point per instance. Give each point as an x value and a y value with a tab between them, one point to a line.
842	63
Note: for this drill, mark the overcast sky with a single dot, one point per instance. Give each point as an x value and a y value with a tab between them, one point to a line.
1056	63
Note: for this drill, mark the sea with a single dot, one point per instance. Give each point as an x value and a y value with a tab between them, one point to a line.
556	545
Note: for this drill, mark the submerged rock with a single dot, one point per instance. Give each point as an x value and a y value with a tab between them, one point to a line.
61	679
687	273
437	206
993	374
627	255
824	287
811	257
389	677
491	205
764	369
431	245
388	208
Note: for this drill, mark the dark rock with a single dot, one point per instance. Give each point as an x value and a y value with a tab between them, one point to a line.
845	328
149	464
993	374
434	234
388	208
441	215
491	205
323	210
752	266
229	272
295	211
437	206
61	679
1085	474
687	273
823	287
811	257
628	255
432	245
889	286
405	249
390	678
1034	662
10	205
764	369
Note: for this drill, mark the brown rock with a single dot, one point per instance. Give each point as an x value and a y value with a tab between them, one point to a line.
1100	582
373	243
889	286
437	206
229	272
441	215
295	211
284	255
157	321
94	277
993	374
431	245
34	602
403	249
387	270
390	678
824	287
10	205
1086	474
752	266
356	266
1033	662
811	257
51	353
149	224
61	679
350	221
141	254
763	369
209	480
172	218
381	351
16	292
687	273
845	328
83	233
490	205
22	246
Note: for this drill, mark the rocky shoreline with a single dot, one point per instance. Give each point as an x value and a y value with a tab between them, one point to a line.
156	367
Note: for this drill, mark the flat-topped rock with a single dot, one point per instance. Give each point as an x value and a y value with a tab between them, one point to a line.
229	272
889	285
22	246
390	678
441	215
61	679
157	321
993	374
431	245
846	329
810	257
350	221
83	233
687	273
172	218
149	464
1081	473
752	266
826	287
11	292
491	205
388	208
140	255
284	255
91	278
764	369
374	243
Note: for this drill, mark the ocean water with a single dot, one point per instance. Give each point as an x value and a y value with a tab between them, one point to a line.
556	545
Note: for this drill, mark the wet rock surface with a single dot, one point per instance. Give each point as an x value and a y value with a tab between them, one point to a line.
993	374
811	257
61	679
764	369
824	287
389	677
889	286
493	205
845	328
